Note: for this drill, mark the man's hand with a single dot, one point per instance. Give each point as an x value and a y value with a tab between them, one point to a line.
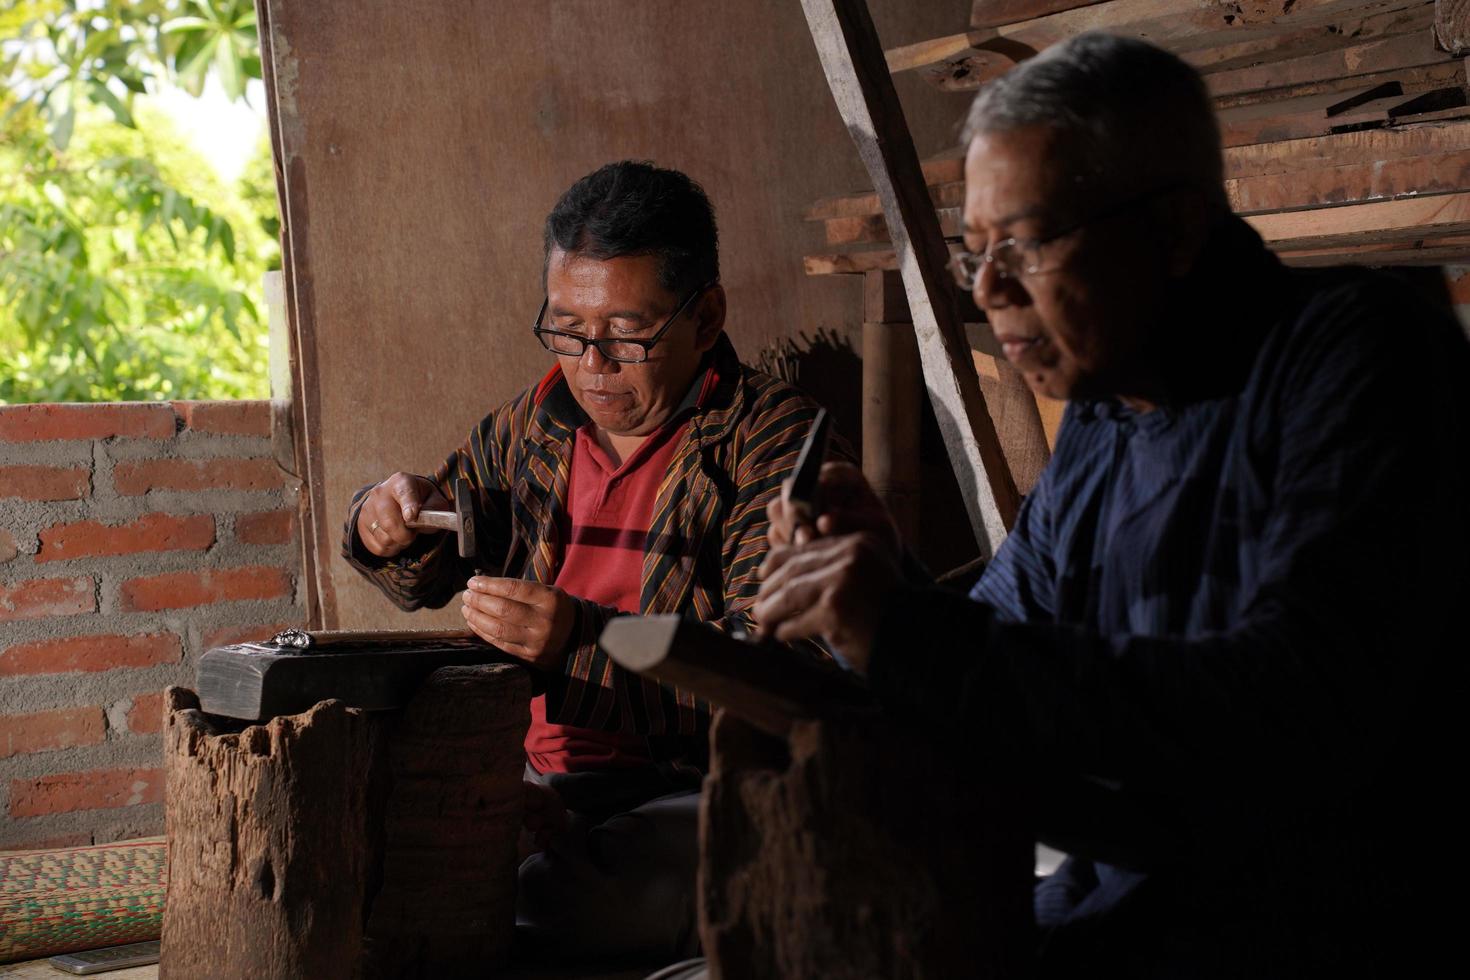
525	619
382	522
830	587
849	506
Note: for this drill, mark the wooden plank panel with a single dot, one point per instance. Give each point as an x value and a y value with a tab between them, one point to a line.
1352	183
1365	224
1316	115
1182	25
1271	46
1385	54
853	62
1427	251
1346	148
1412	80
994	13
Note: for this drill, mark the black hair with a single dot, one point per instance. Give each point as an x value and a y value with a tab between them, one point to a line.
634	208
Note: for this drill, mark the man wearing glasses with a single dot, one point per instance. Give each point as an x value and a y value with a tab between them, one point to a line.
634	477
1226	634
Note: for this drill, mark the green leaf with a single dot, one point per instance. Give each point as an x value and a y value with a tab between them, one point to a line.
104	96
227	65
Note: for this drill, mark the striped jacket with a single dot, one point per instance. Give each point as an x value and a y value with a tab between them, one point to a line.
705	542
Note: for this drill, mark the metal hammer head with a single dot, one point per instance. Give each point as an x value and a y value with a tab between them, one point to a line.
464	517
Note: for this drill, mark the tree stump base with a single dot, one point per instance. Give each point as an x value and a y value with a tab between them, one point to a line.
856	850
339	842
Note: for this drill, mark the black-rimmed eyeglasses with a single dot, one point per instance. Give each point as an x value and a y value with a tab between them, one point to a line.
627	350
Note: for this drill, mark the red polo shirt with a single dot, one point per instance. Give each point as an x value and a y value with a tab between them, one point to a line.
609	509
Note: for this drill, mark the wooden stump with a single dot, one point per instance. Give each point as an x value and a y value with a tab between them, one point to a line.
341	843
855	850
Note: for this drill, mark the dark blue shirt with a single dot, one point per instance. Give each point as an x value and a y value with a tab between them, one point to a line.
1234	620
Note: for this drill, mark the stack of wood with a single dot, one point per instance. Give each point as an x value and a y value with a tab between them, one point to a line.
1345	122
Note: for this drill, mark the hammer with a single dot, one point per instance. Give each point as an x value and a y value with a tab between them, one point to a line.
461	520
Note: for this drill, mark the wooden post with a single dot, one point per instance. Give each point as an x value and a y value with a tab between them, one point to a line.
1452	26
340	842
855	850
834	842
856	70
892	414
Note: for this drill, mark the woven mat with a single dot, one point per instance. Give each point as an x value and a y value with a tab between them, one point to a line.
60	901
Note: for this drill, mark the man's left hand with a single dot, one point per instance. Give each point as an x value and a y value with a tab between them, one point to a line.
525	619
831	587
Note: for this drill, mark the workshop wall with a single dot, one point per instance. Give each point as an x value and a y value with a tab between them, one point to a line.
132	538
419	151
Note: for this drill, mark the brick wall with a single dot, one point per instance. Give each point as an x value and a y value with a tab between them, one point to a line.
132	538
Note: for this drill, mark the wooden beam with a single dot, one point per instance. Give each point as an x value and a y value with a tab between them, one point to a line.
1363	224
893	384
319	532
1452	25
853	62
872	228
1382	54
944	194
1352	183
1412	80
1182	25
771	687
1317	152
1449	249
1300	42
1313	115
260	681
997	13
925	53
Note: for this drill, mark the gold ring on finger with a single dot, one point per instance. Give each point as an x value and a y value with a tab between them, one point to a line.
374	527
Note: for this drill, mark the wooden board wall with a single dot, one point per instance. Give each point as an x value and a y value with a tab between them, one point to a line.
420	146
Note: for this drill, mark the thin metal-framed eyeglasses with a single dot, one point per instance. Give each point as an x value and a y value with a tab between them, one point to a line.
1017	257
625	350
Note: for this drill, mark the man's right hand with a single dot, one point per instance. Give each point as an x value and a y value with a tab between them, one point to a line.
382	522
849	506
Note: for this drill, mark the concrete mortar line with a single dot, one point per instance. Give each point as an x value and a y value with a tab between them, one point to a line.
195	446
140	815
140	753
75	452
81	689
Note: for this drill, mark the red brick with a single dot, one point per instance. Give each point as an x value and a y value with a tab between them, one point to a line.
90	653
140	476
268	527
45	731
227	635
178	590
80	838
146	715
99	789
45	482
151	532
43	597
39	423
243	418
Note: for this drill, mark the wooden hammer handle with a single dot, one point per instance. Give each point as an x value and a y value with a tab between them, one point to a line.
444	520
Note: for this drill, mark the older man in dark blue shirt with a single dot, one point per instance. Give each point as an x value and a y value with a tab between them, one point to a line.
1225	633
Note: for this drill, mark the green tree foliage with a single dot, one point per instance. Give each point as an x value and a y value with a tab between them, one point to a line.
127	270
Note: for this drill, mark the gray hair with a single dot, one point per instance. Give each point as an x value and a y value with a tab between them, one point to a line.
1130	113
